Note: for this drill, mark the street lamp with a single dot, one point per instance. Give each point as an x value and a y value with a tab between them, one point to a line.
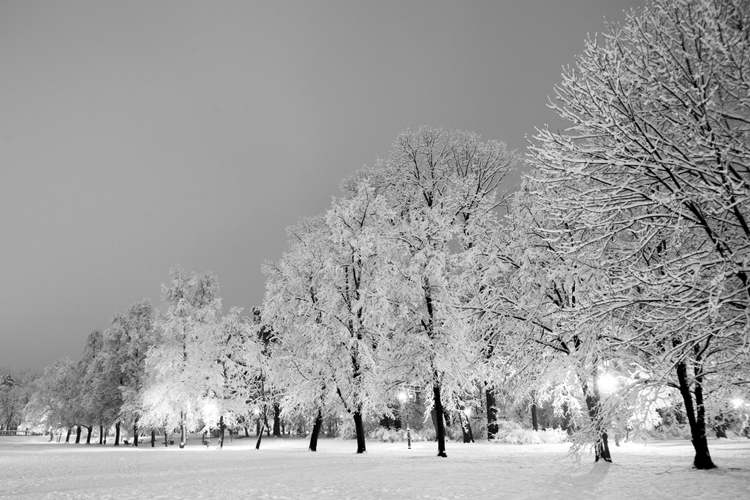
607	383
403	397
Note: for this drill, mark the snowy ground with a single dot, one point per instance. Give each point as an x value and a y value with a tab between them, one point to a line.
283	469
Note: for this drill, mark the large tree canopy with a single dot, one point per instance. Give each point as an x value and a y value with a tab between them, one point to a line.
650	184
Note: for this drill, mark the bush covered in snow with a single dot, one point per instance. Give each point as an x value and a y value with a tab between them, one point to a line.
513	433
399	435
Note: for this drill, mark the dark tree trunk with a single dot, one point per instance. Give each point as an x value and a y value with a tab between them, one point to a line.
117	434
468	428
316	431
78	434
166	438
439	424
359	428
276	420
247	434
566	424
601	448
464	431
696	417
221	432
153	438
492	427
135	432
468	436
183	435
260	437
534	420
183	431
67	436
101	434
89	430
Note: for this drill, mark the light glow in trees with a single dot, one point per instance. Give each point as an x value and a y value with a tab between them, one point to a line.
176	381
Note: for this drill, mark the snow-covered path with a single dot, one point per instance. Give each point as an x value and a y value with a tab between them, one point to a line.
284	469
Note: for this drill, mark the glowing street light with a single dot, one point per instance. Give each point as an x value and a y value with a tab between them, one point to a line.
607	383
403	396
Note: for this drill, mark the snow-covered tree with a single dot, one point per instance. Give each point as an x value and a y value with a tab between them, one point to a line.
175	366
127	343
90	401
443	188
230	363
326	302
15	390
650	185
49	407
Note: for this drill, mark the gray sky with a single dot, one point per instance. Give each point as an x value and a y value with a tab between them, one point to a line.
135	136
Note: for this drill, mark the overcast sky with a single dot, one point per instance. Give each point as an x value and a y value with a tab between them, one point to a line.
135	136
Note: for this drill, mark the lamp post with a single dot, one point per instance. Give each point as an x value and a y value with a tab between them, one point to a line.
403	397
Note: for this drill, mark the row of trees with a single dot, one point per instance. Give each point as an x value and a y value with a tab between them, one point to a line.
15	391
185	368
623	254
624	251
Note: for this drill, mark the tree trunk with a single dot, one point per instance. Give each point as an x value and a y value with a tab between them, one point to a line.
566	425
90	429
534	420
183	432
260	437
153	438
67	436
276	420
463	419
166	438
492	427
101	434
221	432
135	432
359	429
247	434
316	431
696	419
439	424
78	434
117	434
601	448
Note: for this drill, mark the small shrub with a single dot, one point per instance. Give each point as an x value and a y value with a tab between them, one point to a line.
662	432
513	433
399	435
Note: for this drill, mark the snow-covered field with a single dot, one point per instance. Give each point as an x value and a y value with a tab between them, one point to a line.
283	468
